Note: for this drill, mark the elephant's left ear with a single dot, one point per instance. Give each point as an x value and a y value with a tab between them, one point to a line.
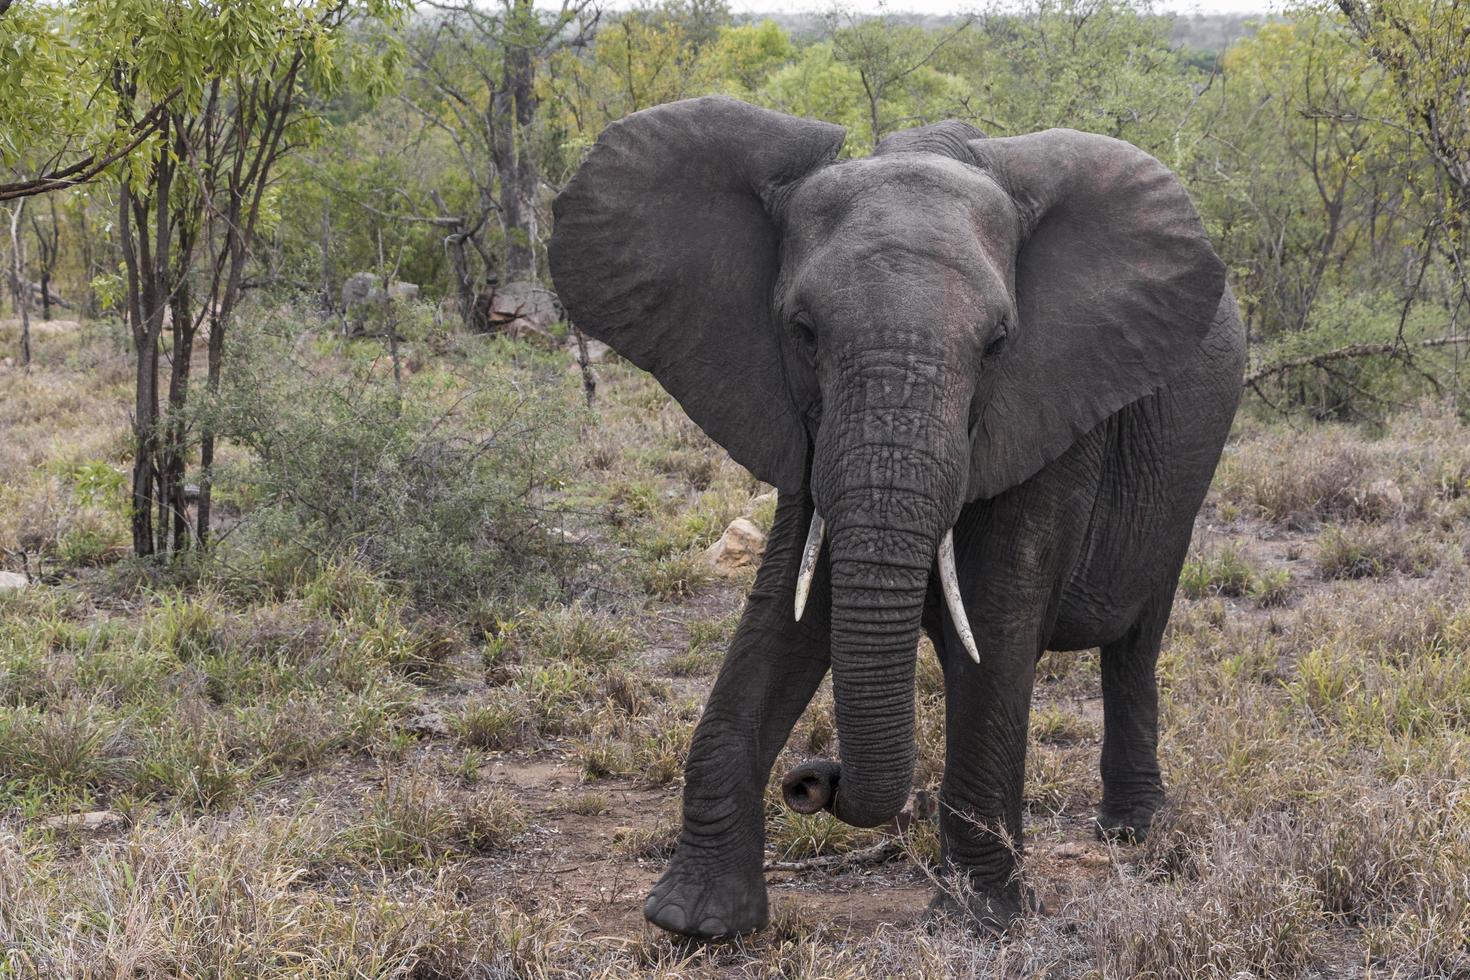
1116	285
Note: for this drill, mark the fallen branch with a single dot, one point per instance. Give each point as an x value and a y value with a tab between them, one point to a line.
880	853
41	296
1347	353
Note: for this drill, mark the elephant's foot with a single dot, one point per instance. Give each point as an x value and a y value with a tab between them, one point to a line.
694	902
1126	824
984	911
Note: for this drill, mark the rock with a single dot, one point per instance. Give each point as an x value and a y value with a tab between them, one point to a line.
12	581
363	294
597	351
1383	498
564	536
94	820
759	501
358	288
519	310
739	548
429	723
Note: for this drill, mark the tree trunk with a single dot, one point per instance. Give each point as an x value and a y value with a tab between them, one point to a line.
328	302
144	379
206	438
516	112
175	444
20	288
146	235
49	246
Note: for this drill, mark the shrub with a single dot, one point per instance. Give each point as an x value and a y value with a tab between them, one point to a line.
502	721
677	576
1273	588
574	632
1418	465
1364	551
411	822
1227	573
437	485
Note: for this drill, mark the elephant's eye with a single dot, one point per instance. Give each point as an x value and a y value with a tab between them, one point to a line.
801	325
998	341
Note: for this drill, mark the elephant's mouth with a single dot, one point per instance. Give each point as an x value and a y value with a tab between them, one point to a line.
949	580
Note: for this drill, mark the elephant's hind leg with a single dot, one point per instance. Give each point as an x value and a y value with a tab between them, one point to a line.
1133	788
714	886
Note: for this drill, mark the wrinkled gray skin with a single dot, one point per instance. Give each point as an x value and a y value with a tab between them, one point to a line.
1027	340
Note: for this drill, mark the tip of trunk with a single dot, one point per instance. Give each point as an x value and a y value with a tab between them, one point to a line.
815	786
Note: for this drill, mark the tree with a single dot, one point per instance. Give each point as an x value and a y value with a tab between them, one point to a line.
649	55
1424	47
1102	66
475	80
58	124
1304	187
197	101
886	55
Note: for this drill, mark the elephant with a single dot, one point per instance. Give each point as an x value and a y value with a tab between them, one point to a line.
990	379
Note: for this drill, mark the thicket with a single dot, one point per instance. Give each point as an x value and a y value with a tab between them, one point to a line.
436	480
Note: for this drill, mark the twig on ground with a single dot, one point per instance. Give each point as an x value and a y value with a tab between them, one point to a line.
880	853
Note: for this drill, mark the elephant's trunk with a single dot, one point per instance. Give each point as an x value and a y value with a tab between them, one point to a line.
888	478
877	602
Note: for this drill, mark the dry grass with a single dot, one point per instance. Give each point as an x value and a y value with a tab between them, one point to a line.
315	778
1418	468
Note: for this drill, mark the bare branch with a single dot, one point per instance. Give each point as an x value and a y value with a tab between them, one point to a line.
1350	352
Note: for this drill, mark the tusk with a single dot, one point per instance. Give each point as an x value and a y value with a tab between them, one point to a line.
951	582
809	554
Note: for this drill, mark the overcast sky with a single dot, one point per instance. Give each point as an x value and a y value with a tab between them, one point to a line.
956	6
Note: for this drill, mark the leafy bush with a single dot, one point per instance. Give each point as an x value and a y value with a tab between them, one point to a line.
437	484
1374	358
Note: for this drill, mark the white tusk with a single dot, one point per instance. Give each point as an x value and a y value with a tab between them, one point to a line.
950	579
809	554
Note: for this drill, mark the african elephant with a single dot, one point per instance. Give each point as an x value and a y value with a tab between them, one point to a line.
992	376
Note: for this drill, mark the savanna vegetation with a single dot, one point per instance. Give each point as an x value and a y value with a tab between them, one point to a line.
363	634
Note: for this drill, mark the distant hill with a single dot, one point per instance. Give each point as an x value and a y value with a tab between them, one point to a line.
1203	33
1214	33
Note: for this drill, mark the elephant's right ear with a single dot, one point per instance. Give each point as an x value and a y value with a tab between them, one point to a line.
666	249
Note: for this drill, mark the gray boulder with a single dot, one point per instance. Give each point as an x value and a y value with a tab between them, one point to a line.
363	295
519	309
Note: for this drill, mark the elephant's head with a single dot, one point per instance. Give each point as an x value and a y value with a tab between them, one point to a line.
896	335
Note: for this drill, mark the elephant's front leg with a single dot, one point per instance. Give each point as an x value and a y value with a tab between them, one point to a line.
987	708
714	885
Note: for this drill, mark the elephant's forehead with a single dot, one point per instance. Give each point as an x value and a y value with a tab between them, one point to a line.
899	194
